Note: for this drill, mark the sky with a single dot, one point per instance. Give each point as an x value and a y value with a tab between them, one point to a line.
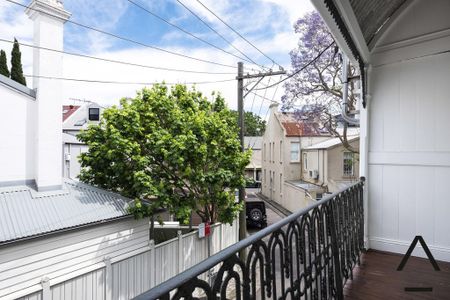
268	24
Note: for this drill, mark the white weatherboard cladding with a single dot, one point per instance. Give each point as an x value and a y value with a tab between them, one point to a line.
131	272
409	146
23	265
35	296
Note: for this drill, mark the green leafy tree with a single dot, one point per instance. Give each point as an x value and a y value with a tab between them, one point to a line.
3	66
16	64
254	124
168	148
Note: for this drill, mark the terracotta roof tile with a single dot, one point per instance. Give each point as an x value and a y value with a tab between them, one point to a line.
295	127
68	110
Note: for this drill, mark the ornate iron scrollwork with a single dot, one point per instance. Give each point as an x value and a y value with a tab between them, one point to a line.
309	255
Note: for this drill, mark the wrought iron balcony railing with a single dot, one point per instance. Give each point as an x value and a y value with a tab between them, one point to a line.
307	255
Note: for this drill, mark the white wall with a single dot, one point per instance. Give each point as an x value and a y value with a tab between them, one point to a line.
16	135
409	146
72	167
294	198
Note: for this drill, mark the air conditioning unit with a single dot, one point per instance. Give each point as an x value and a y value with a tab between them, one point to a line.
315	174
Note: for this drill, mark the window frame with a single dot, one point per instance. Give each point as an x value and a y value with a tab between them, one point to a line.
291	152
97	118
281	152
348	156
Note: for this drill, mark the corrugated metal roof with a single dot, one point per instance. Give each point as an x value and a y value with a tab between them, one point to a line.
330	143
8	82
371	15
255	160
26	213
253	142
70	139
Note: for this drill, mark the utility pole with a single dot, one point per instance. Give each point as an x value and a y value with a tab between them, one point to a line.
240	95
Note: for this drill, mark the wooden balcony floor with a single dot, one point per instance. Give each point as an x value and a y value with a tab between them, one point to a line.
377	278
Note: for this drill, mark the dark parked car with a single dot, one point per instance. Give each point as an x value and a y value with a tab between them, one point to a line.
256	213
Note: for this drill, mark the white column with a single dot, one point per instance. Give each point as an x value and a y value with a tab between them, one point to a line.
49	17
364	154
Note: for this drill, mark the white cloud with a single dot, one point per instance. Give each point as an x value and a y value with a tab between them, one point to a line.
251	18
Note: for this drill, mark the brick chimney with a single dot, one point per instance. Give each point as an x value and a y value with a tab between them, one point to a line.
49	17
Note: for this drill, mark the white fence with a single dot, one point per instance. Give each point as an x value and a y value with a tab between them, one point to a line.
130	275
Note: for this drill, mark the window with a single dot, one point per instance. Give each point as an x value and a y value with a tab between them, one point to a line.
295	151
265	176
264	152
273	152
281	183
305	161
348	164
270	152
94	114
258	175
281	152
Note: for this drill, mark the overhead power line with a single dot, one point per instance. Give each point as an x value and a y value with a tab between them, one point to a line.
299	70
128	39
218	34
118	61
264	98
185	31
235	31
124	82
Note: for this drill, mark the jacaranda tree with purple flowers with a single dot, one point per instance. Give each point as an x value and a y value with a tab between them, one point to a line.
316	92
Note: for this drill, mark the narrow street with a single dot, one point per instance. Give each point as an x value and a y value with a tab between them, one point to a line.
273	215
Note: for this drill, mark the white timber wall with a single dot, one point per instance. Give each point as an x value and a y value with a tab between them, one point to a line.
17	137
409	129
126	274
72	167
24	265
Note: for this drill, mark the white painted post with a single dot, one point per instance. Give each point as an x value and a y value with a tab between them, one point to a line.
152	264
180	251
221	237
46	292
108	278
364	153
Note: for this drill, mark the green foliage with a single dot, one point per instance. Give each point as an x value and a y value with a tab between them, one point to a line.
3	65
16	64
171	149
254	125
